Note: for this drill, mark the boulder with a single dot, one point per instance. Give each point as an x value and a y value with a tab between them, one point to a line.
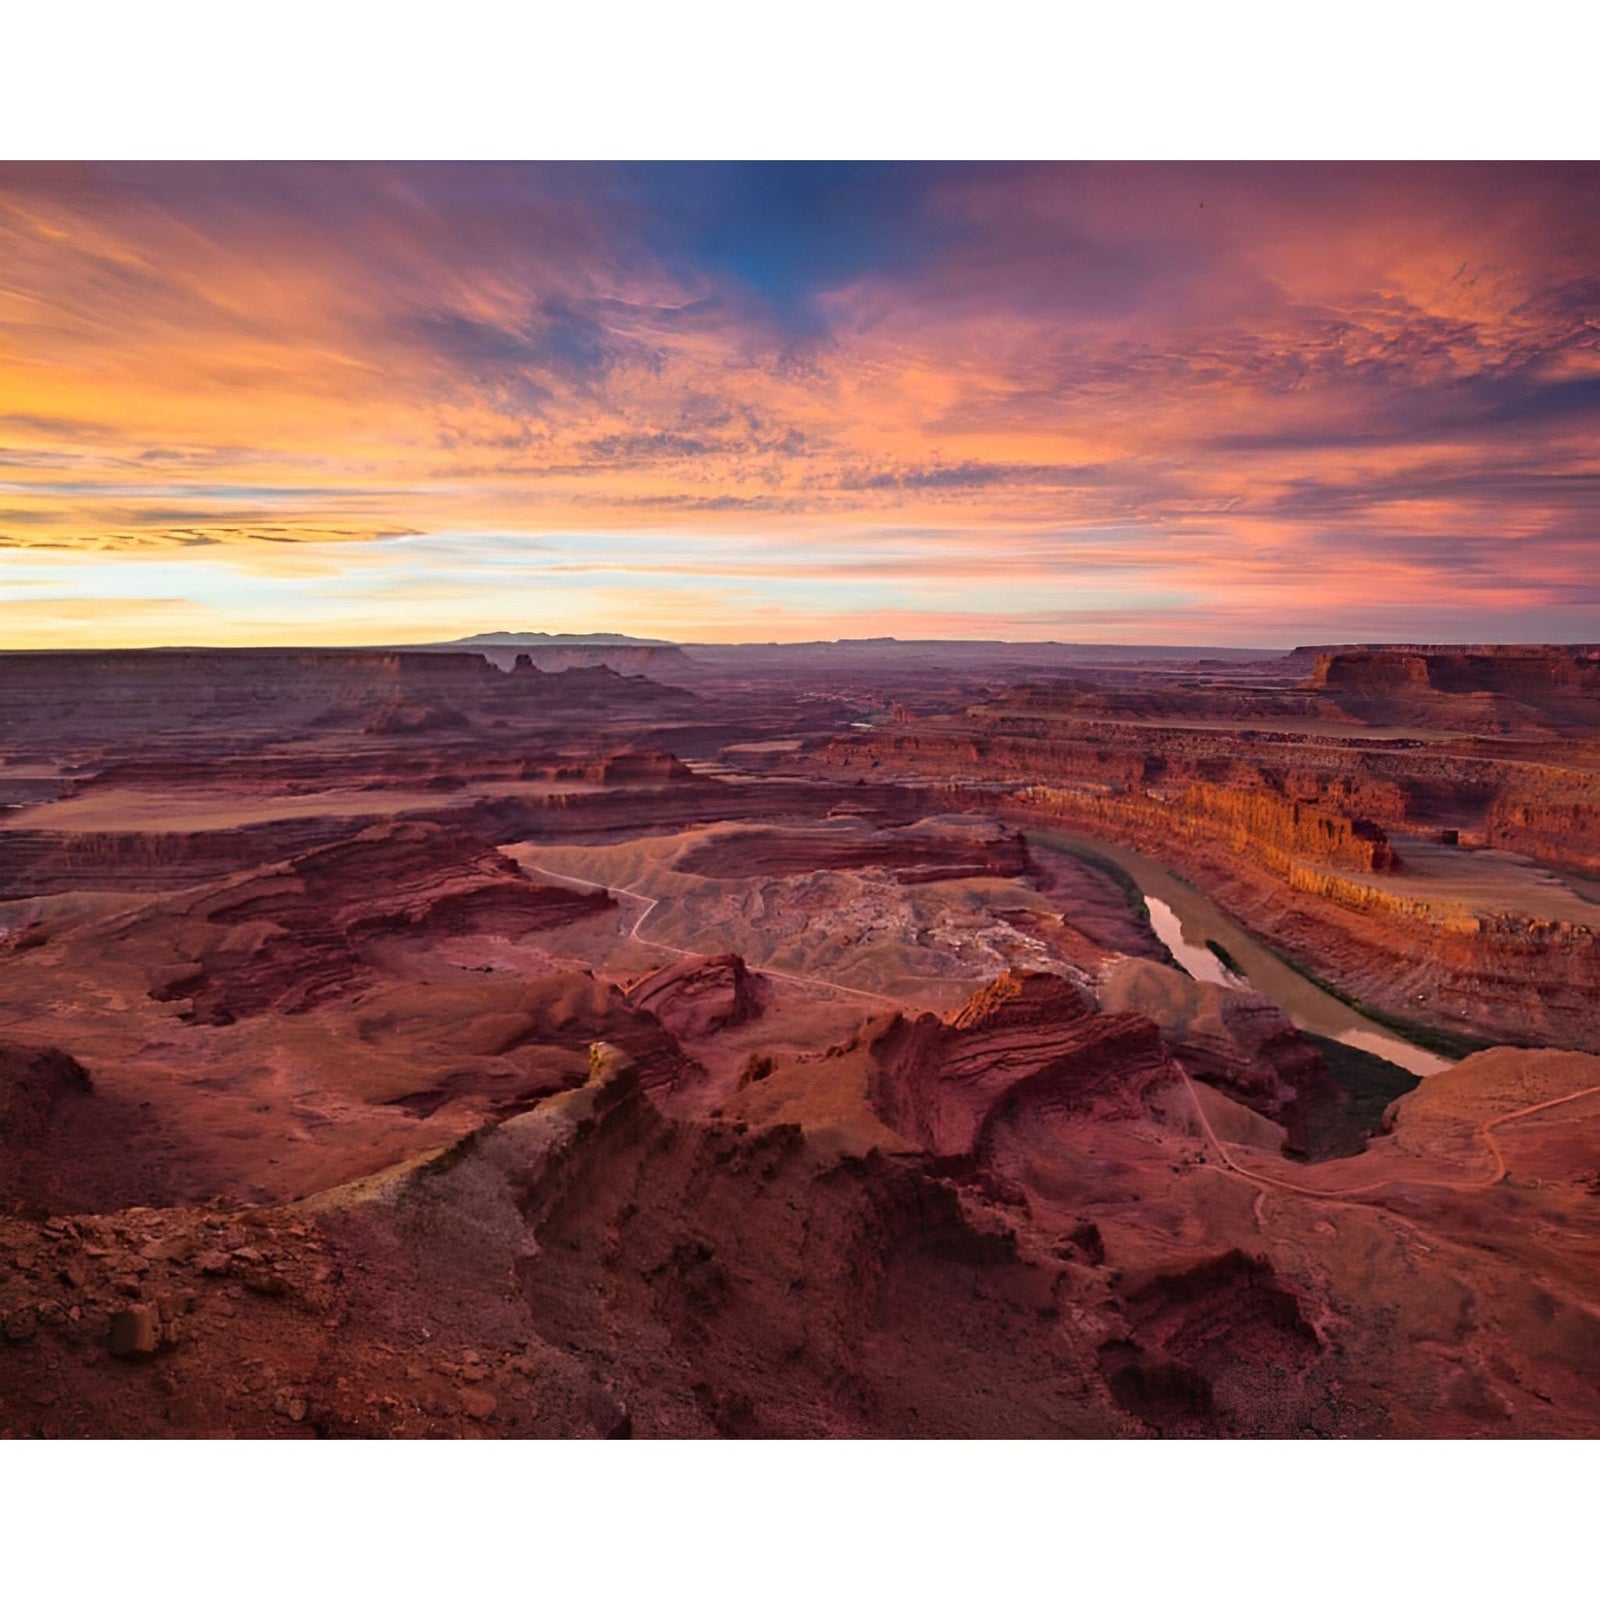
135	1333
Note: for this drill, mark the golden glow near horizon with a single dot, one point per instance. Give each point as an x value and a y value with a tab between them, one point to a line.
1180	404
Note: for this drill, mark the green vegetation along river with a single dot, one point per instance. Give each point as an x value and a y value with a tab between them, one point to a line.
1190	926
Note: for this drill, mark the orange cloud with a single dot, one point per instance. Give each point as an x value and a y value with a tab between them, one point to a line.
1256	394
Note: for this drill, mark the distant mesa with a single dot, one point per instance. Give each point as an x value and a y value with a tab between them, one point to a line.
560	652
567	641
1452	669
1478	688
116	695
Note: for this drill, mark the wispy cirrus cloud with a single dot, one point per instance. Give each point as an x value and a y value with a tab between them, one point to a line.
1232	385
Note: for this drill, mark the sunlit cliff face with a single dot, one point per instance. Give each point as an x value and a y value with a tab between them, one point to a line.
1181	403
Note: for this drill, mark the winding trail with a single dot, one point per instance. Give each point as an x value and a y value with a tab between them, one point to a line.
697	955
1485	1131
1262	1180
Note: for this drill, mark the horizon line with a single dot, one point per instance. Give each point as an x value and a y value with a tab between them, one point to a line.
476	644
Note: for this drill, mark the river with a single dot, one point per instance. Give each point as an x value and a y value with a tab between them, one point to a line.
1184	920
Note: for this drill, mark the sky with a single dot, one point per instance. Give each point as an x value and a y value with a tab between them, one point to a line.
1183	404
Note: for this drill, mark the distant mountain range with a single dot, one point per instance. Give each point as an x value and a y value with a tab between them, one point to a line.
1042	650
535	641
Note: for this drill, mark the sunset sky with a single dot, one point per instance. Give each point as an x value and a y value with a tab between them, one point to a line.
1176	404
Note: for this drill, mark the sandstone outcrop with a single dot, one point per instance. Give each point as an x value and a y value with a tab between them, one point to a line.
527	1040
1477	686
1553	816
639	767
61	1140
695	998
1519	978
1238	1041
77	700
1191	1331
738	1266
33	1082
134	862
1471	669
1284	836
291	937
1029	1042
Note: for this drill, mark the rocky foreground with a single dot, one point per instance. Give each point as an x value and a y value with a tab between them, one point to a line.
1026	1219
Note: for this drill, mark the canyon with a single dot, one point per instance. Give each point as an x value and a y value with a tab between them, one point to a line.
528	1036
